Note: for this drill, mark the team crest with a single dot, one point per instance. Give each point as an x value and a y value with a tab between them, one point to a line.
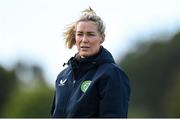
85	85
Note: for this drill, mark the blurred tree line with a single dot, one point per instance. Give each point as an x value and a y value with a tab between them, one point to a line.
24	92
154	71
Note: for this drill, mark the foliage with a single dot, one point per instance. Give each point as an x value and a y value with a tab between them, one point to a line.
154	75
34	103
8	83
29	96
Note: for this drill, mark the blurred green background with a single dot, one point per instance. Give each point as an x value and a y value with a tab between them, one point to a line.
153	67
24	92
154	70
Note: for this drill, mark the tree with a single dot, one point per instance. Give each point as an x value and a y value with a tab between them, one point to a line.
153	73
8	83
32	97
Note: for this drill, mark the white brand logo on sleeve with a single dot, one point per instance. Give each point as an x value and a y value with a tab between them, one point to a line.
62	82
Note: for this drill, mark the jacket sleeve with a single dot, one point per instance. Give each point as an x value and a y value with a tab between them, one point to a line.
114	94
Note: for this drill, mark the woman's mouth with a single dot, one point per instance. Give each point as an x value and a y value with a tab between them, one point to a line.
84	47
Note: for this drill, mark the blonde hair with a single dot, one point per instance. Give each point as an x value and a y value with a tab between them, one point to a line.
88	15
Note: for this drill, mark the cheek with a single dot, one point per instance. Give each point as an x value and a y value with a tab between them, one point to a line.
77	41
96	43
77	44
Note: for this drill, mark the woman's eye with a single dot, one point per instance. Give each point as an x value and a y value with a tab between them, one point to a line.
91	34
79	34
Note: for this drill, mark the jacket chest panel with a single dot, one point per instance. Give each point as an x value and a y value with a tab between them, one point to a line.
76	93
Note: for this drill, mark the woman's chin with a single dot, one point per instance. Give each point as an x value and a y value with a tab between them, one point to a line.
83	55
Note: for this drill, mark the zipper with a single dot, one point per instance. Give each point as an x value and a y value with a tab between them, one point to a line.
72	85
74	81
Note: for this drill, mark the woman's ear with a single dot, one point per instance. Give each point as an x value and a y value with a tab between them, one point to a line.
101	41
103	37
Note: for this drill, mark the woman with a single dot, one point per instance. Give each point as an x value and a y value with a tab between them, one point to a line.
92	85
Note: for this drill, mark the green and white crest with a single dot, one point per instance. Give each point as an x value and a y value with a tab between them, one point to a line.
85	85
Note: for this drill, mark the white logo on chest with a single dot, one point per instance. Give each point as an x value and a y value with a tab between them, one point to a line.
62	82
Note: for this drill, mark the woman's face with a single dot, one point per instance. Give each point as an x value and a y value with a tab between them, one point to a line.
88	39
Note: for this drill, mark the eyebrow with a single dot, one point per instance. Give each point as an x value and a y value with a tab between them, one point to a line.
86	32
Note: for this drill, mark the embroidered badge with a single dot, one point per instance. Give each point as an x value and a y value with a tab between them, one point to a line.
85	85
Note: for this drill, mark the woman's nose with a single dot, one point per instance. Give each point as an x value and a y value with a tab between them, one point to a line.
84	38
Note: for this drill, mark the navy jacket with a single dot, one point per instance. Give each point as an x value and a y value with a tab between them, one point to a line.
91	87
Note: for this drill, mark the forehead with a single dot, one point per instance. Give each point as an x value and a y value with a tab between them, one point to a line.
86	26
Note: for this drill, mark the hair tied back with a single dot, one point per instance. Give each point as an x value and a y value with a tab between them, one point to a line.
89	11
